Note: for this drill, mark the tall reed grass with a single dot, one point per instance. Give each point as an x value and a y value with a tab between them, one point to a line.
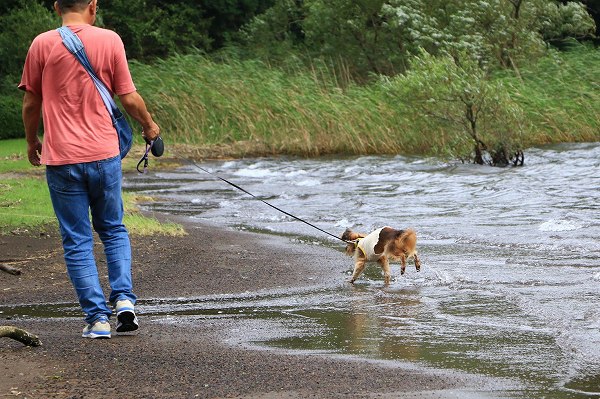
265	110
560	96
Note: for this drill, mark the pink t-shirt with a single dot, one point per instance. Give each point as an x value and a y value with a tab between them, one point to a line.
77	125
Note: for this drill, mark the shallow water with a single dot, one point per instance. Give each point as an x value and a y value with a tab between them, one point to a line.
509	286
510	282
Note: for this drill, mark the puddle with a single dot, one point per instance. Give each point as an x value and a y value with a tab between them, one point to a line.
400	323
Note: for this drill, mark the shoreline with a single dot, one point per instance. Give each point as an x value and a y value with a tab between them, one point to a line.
188	356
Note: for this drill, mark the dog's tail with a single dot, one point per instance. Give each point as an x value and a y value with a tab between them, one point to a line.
409	239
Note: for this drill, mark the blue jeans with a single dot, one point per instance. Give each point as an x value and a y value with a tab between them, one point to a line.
76	190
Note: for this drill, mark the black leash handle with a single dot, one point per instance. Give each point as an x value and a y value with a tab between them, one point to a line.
266	203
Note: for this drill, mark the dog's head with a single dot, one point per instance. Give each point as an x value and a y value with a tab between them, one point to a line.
350	235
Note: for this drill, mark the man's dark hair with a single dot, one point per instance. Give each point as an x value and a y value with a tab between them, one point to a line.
72	5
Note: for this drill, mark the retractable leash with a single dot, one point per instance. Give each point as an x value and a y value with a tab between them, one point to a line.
156	146
266	203
144	158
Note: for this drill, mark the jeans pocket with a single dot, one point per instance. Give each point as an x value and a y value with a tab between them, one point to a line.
59	177
110	170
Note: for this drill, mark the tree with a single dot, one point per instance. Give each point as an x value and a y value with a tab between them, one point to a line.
149	31
19	27
566	20
379	37
482	123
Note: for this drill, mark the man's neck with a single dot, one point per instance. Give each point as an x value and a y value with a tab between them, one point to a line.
74	18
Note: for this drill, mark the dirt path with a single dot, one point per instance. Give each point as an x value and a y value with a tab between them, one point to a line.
191	358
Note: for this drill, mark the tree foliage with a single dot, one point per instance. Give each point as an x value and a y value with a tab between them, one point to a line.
151	30
379	37
484	124
19	26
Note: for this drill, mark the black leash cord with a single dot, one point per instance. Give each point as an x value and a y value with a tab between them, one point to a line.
144	157
265	202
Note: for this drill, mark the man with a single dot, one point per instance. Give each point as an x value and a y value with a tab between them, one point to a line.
81	152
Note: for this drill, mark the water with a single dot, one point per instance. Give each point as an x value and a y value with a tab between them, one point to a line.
510	282
509	286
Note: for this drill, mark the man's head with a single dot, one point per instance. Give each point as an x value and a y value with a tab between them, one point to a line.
72	5
86	8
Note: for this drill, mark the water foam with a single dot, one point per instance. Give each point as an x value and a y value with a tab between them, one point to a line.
560	225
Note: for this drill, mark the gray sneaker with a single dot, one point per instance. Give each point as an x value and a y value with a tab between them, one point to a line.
126	319
98	329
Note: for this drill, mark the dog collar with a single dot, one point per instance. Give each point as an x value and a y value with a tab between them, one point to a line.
359	247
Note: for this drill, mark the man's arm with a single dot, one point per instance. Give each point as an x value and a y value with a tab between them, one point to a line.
32	108
135	106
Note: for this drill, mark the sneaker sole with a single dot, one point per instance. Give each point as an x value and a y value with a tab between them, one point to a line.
127	322
96	336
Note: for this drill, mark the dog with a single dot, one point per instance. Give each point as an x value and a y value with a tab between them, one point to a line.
381	246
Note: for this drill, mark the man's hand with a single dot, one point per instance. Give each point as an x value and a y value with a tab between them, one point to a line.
32	108
151	132
34	150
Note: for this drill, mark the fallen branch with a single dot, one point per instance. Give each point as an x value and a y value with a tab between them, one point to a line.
10	269
20	335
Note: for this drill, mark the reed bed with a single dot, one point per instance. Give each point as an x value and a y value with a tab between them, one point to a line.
265	110
560	96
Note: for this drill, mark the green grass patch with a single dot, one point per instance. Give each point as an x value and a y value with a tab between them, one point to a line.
25	203
25	199
138	224
13	156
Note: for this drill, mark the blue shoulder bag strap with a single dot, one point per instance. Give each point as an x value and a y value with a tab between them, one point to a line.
75	46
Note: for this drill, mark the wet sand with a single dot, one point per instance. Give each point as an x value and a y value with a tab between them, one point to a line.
190	359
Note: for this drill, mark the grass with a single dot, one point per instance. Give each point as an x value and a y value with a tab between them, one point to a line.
25	201
24	204
196	100
256	109
246	108
13	156
560	96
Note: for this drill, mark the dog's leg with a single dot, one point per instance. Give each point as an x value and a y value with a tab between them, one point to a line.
359	266
403	265
417	262
385	265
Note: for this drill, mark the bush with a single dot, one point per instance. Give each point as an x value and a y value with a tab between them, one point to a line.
10	116
19	27
478	119
149	31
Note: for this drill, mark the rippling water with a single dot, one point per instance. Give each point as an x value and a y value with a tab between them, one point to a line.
510	279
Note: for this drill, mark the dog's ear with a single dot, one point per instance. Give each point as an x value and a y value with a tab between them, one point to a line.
350	248
411	238
346	235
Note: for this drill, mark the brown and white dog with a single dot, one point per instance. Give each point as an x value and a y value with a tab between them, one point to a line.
381	246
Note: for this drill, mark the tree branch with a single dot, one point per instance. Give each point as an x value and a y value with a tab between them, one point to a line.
20	335
10	269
